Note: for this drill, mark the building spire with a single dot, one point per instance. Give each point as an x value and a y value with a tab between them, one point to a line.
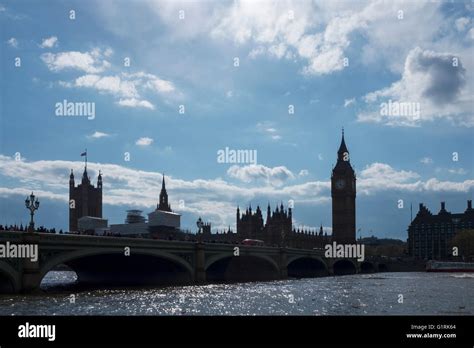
341	153
71	179
99	180
163	204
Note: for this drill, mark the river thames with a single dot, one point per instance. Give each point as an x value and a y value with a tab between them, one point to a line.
413	293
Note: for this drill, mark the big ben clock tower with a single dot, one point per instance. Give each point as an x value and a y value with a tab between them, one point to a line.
343	193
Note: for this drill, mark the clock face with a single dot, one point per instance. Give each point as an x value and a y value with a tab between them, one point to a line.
340	184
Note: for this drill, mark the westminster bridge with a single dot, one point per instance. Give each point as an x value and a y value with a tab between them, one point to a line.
101	260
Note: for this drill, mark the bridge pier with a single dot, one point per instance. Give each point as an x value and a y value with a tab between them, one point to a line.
200	264
30	271
283	263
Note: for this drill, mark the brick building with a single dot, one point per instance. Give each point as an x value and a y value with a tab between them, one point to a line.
429	235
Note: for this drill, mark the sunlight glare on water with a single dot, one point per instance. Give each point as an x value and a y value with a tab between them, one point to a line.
374	294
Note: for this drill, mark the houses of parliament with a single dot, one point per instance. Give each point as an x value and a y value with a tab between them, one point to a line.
275	230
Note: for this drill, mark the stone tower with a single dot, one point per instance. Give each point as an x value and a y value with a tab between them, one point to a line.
85	199
343	193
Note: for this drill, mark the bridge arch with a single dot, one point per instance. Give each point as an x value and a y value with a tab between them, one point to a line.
367	267
382	267
10	281
77	260
245	267
344	267
305	266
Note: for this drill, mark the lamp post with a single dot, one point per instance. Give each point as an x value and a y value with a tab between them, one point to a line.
32	205
199	224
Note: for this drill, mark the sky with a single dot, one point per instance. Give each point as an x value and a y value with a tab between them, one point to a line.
173	83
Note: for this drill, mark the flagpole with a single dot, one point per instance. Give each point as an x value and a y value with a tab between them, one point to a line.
86	159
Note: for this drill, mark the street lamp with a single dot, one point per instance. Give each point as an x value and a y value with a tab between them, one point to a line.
32	205
199	224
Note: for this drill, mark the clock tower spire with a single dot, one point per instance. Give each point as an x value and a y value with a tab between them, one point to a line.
343	193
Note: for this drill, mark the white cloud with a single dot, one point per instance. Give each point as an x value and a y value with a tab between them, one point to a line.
268	129
348	102
49	42
320	157
91	62
200	16
8	192
108	52
13	42
382	177
144	141
257	51
318	36
431	81
127	87
159	85
462	23
109	84
279	51
269	25
470	34
136	103
459	171
151	82
254	172
303	172
215	199
98	135
321	32
426	160
436	185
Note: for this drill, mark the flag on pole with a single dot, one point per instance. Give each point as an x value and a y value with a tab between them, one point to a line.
85	161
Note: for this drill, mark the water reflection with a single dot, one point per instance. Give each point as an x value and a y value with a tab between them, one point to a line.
370	294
